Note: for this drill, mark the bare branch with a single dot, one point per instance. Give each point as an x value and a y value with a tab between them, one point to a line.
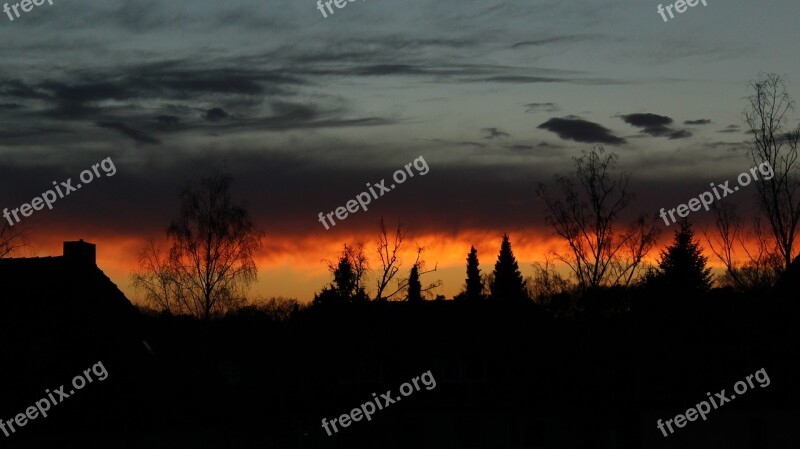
390	260
585	215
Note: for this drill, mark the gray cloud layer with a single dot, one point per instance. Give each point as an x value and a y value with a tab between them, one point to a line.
305	110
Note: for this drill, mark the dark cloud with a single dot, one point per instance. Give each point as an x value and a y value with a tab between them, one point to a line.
679	134
284	123
728	146
647	120
79	100
542	148
28	132
370	69
703	121
11	106
347	60
151	192
384	47
397	69
168	119
494	133
215	115
519	147
553	40
655	125
450	73
18	89
123	99
294	111
135	134
463	143
81	97
730	129
176	79
523	79
581	131
543	107
435	70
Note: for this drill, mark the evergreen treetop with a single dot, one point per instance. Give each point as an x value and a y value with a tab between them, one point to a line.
507	283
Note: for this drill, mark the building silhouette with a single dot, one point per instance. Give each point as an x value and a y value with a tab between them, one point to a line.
58	316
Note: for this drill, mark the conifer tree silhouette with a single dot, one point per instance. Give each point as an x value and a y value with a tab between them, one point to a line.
414	286
474	289
507	284
682	266
344	279
347	285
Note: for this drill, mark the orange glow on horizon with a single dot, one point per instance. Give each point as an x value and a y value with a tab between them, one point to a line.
295	266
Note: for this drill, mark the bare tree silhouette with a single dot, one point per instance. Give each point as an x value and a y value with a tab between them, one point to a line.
213	242
403	284
352	269
586	213
156	279
764	265
766	115
210	260
390	261
11	239
546	282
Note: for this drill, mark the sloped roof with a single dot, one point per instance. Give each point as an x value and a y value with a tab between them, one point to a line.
52	280
58	314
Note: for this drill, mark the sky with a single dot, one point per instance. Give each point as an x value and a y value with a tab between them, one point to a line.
305	110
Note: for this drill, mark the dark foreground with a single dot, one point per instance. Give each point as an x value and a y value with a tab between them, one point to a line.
507	376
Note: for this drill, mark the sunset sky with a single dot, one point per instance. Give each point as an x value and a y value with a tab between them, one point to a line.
497	96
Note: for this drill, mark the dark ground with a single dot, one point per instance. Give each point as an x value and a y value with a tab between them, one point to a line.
507	376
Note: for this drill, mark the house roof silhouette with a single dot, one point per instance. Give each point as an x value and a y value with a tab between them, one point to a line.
59	313
74	276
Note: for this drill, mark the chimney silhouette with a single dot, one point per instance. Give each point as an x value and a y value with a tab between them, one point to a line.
81	252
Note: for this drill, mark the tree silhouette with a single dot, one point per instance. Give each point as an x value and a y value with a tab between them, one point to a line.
682	266
388	253
345	281
507	283
11	239
403	284
602	253
155	278
774	144
414	286
348	278
764	265
419	270
474	289
546	283
213	242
